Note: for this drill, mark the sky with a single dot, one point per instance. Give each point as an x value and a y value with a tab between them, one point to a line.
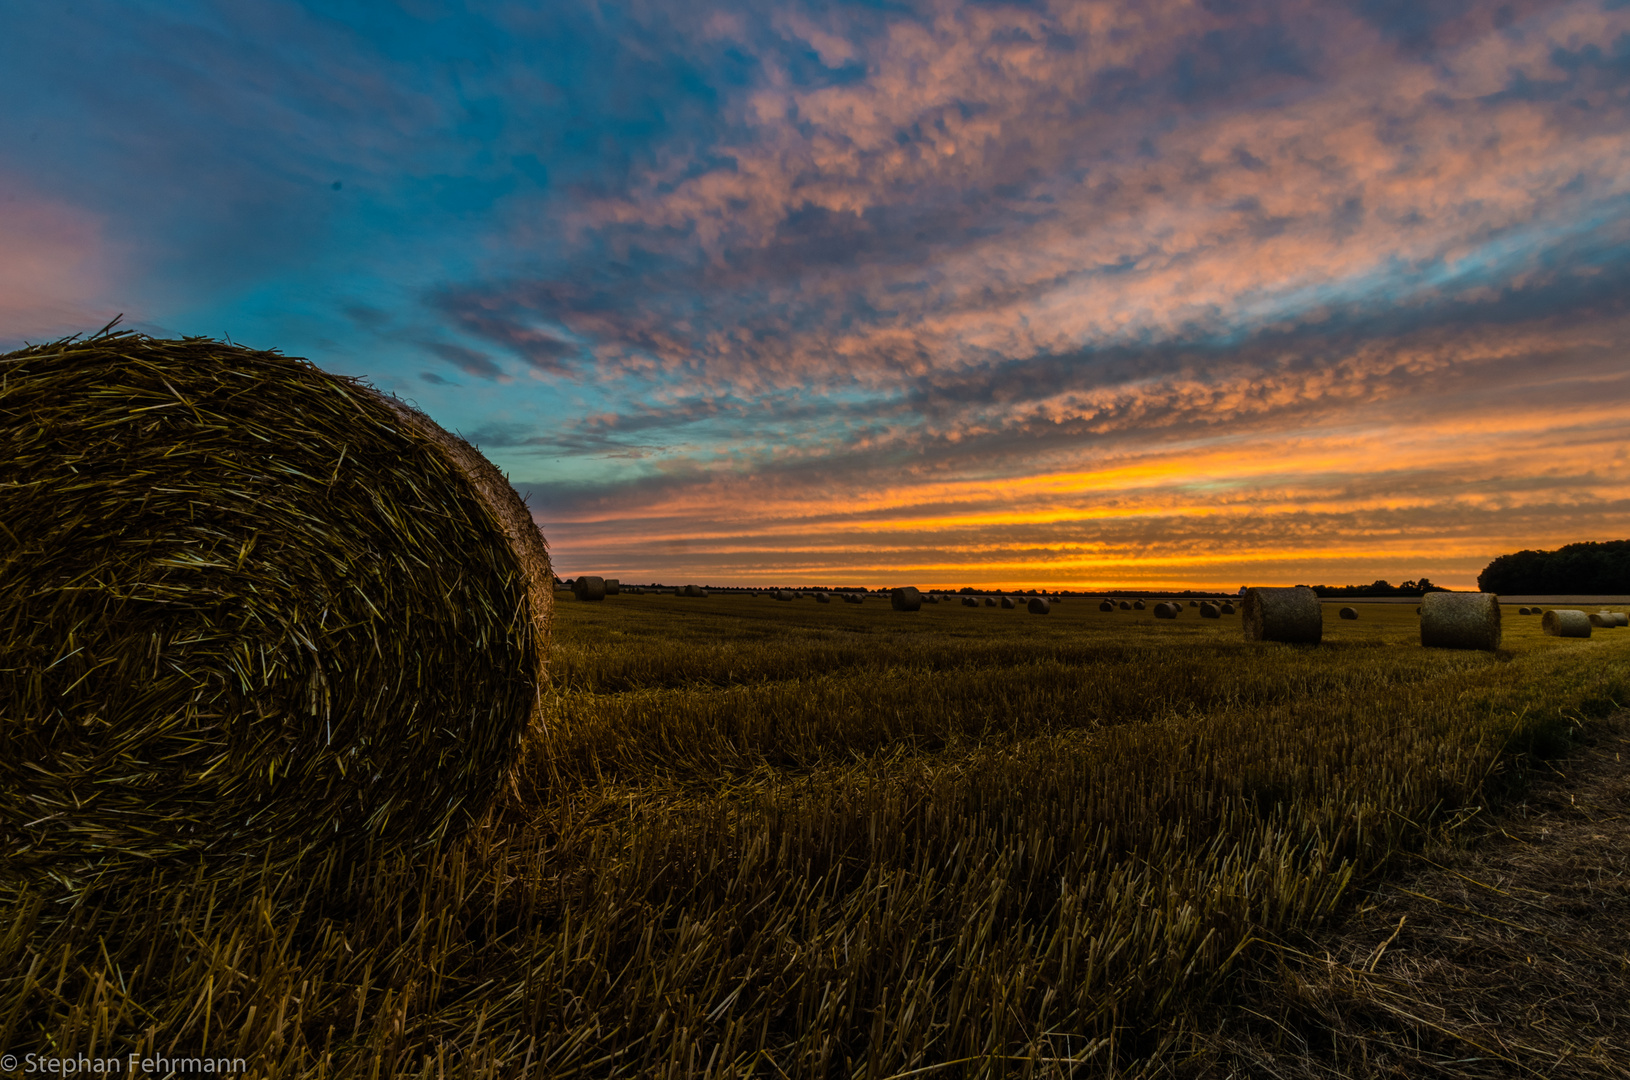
1052	294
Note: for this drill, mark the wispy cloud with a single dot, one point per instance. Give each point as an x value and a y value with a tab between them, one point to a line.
1162	292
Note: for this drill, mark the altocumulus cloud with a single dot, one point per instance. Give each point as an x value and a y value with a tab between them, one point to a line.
1066	292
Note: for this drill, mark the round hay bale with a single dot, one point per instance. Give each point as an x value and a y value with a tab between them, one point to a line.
613	586
783	594
1210	611
1038	605
1228	609
1125	606
1603	619
1564	622
251	611
906	598
1138	605
1348	613
1007	603
855	598
1106	606
1194	603
1291	615
1460	620
822	598
697	591
589	587
1621	618
968	601
990	601
1522	611
1163	610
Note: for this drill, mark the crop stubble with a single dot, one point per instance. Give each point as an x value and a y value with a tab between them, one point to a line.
769	839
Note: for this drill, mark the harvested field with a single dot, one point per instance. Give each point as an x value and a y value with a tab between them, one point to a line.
800	840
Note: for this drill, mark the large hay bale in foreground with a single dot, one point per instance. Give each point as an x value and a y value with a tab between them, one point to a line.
1038	605
1460	620
1565	622
906	598
1293	615
251	611
589	587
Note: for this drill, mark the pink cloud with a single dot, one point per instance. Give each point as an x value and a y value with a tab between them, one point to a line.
56	267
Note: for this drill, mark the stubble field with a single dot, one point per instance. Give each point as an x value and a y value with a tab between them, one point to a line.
796	840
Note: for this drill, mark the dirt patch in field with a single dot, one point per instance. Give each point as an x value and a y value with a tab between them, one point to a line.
1504	956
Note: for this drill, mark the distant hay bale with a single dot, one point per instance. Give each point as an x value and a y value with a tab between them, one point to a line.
1228	609
589	587
613	586
695	591
1564	622
1603	619
1460	620
1621	618
1039	606
855	598
1194	603
1522	611
1106	606
1210	611
1163	610
251	611
822	598
990	601
968	601
1138	605
1125	606
1293	615
906	598
783	594
1348	613
1007	603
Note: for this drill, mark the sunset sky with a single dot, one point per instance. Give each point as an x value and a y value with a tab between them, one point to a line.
1062	294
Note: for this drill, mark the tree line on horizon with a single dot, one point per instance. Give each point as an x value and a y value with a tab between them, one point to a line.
1588	568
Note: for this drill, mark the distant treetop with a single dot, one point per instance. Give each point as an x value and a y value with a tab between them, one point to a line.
1586	568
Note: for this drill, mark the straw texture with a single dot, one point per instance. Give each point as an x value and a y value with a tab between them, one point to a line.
1564	622
1460	620
250	610
1291	615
